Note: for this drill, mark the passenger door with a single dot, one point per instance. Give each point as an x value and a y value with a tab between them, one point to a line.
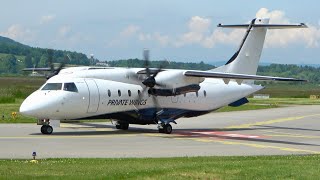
94	96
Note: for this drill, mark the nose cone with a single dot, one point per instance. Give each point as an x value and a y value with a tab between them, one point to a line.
29	107
40	105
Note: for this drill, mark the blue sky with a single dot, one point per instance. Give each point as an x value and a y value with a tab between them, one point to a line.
174	30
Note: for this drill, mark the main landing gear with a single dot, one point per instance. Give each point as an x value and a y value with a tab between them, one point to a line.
167	128
122	125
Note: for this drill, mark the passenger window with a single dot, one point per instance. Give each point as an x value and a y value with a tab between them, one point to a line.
205	93
109	92
70	87
129	93
52	86
119	93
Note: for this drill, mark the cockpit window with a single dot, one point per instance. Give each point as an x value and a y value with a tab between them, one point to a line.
52	86
70	87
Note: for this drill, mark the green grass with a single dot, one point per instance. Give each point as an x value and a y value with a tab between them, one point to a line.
262	167
8	108
248	106
12	88
293	90
285	101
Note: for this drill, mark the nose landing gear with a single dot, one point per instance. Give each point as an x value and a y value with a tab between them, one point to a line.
45	128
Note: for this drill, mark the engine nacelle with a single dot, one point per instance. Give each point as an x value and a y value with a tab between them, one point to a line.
176	78
174	91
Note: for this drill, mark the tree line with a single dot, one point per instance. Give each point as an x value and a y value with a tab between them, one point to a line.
138	63
33	56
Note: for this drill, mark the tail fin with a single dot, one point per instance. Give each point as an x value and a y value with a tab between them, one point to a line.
246	58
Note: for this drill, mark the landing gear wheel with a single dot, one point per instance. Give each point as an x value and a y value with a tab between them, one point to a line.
167	129
123	126
118	126
46	129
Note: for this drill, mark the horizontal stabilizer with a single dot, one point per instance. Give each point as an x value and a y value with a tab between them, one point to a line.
208	74
269	26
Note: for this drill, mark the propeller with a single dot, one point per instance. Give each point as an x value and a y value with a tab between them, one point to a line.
55	71
150	83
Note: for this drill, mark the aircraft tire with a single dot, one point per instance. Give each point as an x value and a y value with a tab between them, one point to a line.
118	126
167	129
46	129
125	126
43	129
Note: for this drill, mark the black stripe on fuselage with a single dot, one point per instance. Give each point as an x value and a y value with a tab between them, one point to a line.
242	42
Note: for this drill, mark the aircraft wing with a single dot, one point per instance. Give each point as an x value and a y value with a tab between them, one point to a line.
228	76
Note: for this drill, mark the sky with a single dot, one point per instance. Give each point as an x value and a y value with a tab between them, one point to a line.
175	30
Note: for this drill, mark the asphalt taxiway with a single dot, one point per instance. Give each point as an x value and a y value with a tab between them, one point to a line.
279	131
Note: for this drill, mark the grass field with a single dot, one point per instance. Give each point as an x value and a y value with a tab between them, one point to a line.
261	167
285	90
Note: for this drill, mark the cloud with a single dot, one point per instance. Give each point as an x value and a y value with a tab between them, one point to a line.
47	19
18	33
220	37
135	32
198	27
201	32
163	40
283	38
199	24
129	31
63	31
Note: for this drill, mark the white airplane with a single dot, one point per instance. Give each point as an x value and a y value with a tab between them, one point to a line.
152	96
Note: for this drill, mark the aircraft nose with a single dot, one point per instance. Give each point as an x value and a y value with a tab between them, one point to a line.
27	108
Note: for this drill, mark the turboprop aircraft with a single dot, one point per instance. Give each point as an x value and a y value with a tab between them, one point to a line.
152	95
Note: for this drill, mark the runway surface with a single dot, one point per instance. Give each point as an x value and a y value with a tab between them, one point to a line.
288	130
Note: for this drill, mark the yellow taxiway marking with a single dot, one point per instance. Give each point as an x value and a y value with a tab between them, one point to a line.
293	136
66	136
252	145
270	121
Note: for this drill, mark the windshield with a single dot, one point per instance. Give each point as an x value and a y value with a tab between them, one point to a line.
52	86
70	87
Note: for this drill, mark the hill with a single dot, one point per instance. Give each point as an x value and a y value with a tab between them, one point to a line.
14	56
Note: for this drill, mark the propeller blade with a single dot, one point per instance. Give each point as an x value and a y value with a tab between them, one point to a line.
50	55
146	56
57	70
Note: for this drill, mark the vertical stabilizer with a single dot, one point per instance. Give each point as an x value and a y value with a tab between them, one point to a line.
246	58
